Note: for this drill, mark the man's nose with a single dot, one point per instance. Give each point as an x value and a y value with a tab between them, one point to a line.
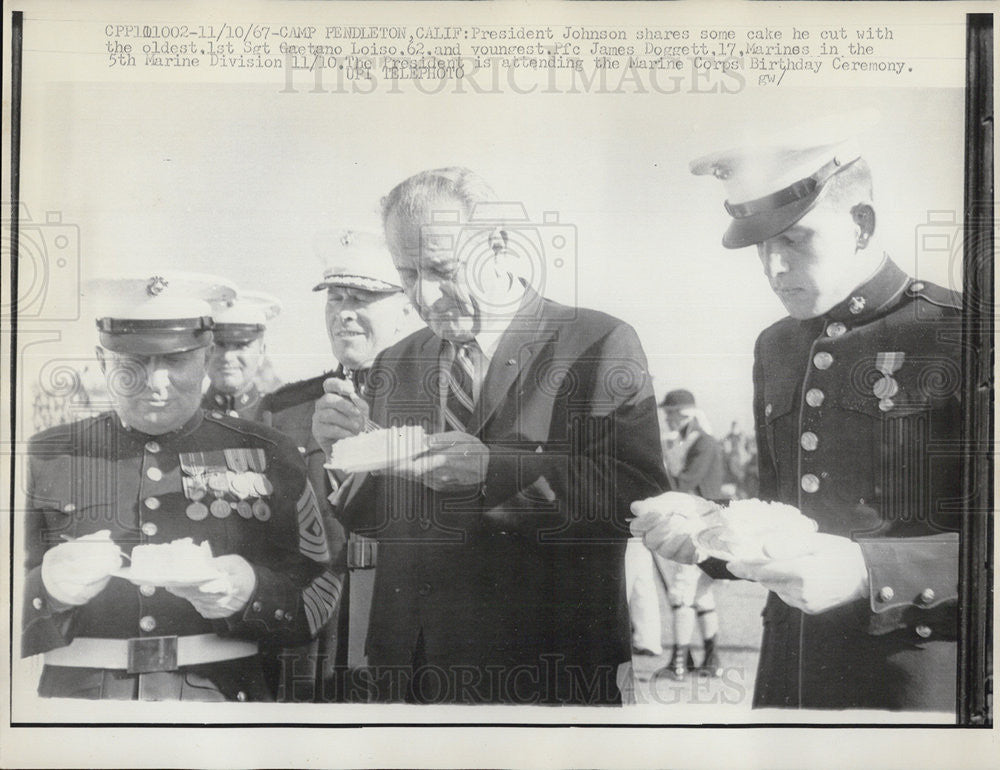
775	262
426	292
157	376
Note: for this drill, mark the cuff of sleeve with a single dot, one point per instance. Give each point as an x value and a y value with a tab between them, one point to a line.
913	583
45	618
271	608
716	569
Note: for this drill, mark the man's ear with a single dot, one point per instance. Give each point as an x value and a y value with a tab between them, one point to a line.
864	218
101	360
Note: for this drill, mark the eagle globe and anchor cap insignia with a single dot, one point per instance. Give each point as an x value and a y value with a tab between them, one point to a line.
156	285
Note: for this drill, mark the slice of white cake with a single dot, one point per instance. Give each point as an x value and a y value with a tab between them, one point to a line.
741	529
378	450
177	561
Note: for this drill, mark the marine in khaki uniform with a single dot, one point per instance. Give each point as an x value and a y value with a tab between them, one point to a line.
857	411
238	354
155	470
366	312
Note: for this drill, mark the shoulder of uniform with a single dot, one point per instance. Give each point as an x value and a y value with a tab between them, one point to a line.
68	433
406	348
779	331
934	294
244	427
295	393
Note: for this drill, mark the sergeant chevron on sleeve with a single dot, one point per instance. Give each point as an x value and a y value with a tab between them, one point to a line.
118	598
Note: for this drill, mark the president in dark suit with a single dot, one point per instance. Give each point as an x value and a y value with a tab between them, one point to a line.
501	569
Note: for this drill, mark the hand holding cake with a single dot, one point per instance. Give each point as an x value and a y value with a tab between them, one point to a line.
75	572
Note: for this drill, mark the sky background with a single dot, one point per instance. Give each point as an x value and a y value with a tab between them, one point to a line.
236	179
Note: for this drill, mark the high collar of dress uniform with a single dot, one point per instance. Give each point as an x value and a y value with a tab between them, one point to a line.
188	427
232	401
359	377
872	298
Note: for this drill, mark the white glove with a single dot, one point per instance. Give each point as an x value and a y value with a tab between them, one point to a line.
667	524
813	573
223	596
75	572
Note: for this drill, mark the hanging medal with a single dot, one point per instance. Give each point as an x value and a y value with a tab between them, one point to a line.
887	387
262	487
261	484
242	488
195	490
194	465
219	485
261	510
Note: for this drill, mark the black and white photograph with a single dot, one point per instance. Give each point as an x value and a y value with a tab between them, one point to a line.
399	384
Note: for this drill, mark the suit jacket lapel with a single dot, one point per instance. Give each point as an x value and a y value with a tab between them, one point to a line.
527	334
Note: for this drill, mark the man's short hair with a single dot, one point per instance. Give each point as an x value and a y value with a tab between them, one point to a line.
849	187
412	197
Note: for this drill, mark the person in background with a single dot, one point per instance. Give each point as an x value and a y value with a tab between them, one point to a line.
366	312
155	470
694	465
239	353
857	411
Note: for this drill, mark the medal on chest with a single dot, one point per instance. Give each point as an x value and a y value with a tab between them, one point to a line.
886	387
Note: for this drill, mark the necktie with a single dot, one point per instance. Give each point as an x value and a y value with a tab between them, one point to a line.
461	377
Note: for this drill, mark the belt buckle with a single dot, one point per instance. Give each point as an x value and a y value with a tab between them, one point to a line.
152	654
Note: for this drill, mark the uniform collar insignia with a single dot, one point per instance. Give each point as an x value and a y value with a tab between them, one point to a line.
873	296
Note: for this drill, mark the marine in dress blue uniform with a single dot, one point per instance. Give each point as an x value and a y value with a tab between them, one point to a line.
857	412
858	419
366	311
857	415
117	481
239	328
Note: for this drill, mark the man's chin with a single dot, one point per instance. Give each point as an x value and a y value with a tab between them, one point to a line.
352	356
230	384
157	424
801	311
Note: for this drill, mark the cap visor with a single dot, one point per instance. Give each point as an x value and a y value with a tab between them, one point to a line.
365	284
150	343
238	334
757	228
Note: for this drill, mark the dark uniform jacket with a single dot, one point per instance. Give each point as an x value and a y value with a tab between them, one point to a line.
702	474
858	419
514	592
290	410
96	474
247	406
